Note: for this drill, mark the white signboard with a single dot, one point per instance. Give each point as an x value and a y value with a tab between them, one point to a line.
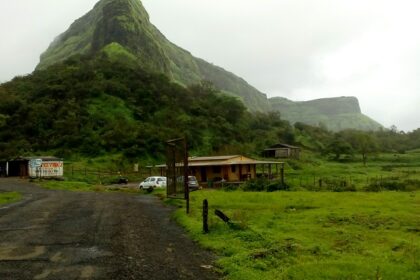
47	169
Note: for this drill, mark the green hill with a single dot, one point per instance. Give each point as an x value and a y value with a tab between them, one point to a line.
122	27
98	105
334	113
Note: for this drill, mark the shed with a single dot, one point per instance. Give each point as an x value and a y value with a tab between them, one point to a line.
282	151
45	167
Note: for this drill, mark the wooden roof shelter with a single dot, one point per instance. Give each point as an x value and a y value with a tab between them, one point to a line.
282	151
233	168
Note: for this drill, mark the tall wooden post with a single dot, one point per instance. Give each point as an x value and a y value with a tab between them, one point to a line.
187	189
282	173
205	216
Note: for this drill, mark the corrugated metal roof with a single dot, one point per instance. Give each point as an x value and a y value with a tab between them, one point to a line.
281	145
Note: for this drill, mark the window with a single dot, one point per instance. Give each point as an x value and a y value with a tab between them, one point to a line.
152	179
233	168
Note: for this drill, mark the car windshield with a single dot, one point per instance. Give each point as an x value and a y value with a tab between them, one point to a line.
192	179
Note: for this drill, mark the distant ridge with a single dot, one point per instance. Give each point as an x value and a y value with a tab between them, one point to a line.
336	113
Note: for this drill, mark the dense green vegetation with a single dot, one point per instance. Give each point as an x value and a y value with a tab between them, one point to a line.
93	106
307	235
9	197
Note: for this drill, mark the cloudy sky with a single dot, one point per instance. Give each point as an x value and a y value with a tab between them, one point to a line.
299	49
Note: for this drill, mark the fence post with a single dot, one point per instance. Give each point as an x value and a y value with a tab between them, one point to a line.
282	174
205	216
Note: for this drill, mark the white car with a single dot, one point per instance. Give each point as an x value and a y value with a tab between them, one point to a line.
153	182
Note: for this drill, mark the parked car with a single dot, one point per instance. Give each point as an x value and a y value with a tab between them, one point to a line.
120	181
192	183
153	182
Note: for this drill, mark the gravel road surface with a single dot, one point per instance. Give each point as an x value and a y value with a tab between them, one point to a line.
69	235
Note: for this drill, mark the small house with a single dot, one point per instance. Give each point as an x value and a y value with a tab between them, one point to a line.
235	168
282	151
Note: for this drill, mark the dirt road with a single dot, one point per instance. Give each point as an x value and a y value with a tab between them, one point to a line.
67	235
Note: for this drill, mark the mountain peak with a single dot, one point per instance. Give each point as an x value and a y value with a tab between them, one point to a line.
126	24
121	29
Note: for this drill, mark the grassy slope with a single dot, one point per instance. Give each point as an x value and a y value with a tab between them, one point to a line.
9	197
304	235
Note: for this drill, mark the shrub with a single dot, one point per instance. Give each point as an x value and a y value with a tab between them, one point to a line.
255	185
393	184
262	184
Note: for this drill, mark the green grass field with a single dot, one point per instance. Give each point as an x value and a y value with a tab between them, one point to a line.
9	197
380	169
311	235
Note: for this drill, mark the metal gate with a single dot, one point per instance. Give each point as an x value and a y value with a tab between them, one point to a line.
177	169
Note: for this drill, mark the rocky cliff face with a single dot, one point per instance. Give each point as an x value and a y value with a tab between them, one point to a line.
125	23
335	113
121	29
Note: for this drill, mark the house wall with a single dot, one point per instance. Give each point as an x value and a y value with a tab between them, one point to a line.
231	173
282	153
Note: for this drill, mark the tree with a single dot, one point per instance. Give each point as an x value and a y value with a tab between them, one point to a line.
339	147
362	142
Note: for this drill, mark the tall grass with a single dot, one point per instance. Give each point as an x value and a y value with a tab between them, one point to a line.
307	235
